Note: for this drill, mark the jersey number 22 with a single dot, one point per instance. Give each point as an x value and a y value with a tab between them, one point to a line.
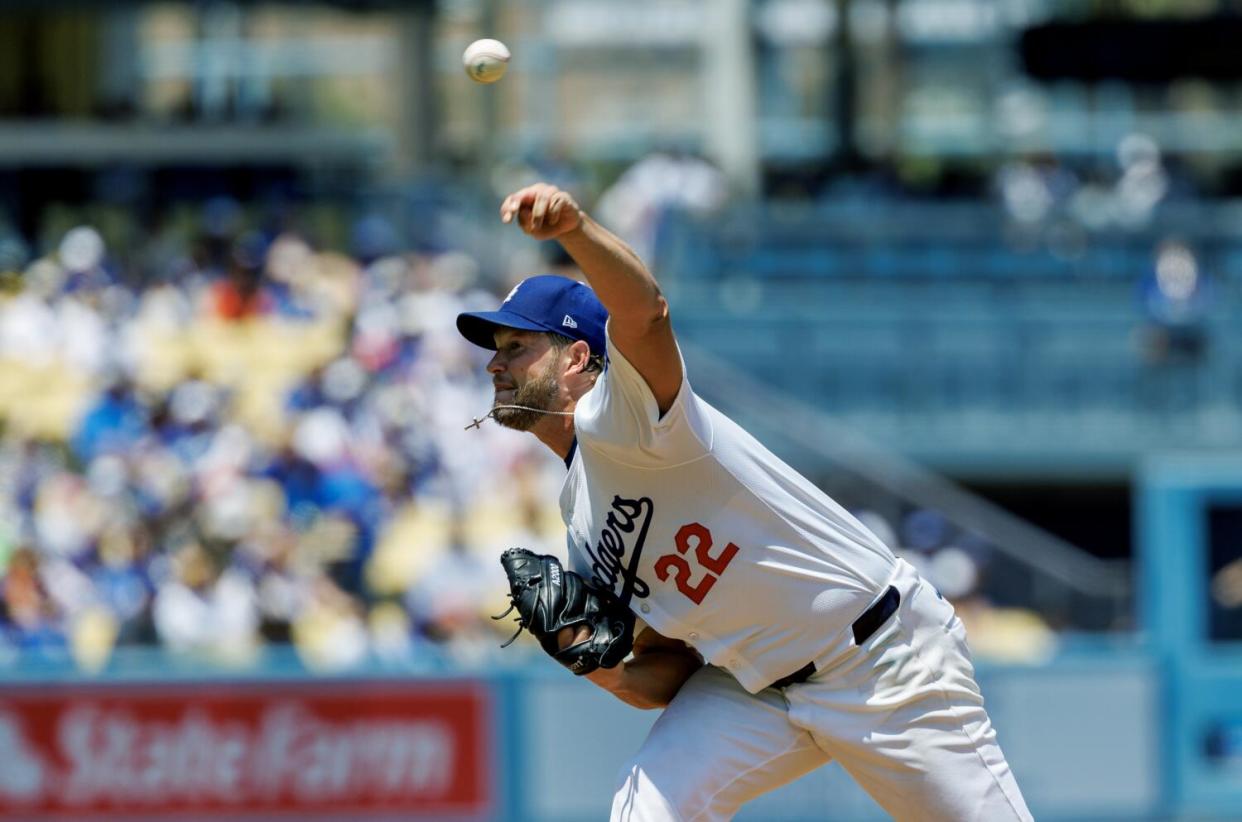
696	536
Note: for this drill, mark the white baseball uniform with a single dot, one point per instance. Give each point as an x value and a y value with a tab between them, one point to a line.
760	571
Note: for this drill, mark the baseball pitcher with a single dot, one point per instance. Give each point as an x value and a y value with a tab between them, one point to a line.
710	579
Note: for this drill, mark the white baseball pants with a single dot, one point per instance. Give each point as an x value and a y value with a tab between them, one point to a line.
901	713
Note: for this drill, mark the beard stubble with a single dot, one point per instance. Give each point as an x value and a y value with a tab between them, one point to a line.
538	393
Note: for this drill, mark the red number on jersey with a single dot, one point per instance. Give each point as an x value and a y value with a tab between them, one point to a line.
694	535
681	572
703	546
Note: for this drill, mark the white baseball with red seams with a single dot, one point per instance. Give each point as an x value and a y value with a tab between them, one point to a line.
486	61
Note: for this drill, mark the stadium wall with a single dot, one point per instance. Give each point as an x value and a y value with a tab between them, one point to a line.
1083	734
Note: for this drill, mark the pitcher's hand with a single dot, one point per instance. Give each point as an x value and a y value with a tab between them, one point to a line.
542	210
572	636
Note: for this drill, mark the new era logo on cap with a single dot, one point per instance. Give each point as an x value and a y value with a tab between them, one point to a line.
542	303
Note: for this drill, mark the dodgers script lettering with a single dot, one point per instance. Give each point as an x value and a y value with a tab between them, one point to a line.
626	518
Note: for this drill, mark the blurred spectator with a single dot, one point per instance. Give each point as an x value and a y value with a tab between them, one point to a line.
452	598
330	633
112	425
1176	297
241	293
206	607
663	181
28	616
955	562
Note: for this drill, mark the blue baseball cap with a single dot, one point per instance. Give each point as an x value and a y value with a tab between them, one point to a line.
544	302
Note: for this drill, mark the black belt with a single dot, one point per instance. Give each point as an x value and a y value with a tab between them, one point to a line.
864	627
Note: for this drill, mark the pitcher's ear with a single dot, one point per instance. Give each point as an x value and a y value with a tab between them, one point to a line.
580	356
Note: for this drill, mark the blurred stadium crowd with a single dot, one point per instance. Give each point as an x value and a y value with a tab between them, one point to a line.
252	441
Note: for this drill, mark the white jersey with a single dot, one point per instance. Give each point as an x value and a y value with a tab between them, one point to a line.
739	555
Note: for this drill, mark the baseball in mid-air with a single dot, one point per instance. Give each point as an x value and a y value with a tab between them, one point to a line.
486	60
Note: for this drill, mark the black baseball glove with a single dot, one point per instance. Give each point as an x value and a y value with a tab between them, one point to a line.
548	598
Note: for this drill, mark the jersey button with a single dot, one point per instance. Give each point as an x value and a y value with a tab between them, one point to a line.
693	635
645	608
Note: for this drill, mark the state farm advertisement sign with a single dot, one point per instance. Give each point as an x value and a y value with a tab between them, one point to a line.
331	751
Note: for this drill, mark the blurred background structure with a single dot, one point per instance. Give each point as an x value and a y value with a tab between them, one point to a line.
974	266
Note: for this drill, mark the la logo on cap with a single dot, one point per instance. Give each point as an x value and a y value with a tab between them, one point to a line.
569	322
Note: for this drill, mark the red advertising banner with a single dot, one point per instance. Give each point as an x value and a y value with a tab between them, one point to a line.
342	750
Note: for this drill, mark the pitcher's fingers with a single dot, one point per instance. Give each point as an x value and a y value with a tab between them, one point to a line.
540	209
506	210
559	201
513	203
